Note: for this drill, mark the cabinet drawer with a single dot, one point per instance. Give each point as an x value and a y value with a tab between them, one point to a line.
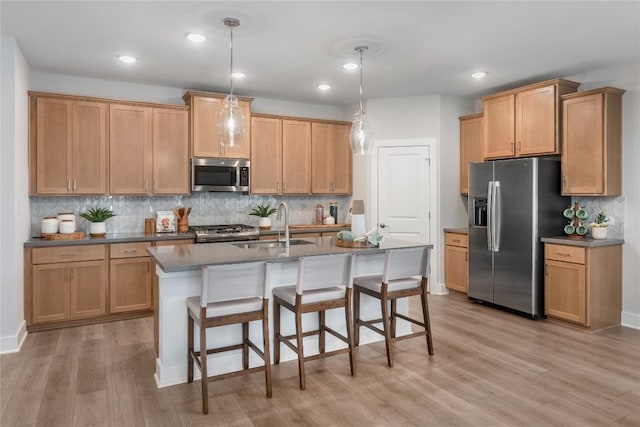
130	250
455	239
174	242
68	254
564	253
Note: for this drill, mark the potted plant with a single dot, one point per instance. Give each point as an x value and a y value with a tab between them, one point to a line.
599	226
97	217
263	211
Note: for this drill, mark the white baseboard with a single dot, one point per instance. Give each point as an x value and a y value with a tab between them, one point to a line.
630	320
438	289
13	343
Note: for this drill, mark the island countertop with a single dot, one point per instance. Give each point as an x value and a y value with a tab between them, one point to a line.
173	259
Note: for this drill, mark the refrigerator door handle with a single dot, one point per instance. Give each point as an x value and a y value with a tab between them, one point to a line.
490	216
497	216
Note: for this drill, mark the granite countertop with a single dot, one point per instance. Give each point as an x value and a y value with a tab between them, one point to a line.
35	242
585	242
458	230
193	257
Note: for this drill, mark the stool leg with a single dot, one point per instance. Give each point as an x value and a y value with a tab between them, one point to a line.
322	334
387	326
204	373
265	342
299	343
425	314
245	345
356	315
276	326
393	318
189	348
347	313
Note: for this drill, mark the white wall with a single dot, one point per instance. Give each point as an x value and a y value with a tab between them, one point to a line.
627	77
14	201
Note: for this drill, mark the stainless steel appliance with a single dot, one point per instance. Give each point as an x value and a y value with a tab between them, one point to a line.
208	174
512	204
224	233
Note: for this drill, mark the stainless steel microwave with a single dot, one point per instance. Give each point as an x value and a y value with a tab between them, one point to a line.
209	174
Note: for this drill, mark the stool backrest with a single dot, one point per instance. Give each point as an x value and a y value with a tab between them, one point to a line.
324	271
234	281
406	262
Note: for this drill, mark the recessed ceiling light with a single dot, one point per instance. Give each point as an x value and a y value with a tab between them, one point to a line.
350	66
196	38
479	74
238	75
324	86
126	58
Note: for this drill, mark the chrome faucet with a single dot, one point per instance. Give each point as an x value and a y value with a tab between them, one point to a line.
286	221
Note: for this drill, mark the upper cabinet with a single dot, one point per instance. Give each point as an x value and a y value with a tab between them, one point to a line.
170	149
205	142
68	141
525	121
266	155
330	159
296	157
470	146
592	143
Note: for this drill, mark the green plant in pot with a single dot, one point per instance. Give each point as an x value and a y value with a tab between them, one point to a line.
97	217
599	226
263	212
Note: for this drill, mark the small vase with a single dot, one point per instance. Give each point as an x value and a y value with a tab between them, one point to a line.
265	223
599	232
97	229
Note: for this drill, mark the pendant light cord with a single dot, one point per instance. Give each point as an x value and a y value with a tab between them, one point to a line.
231	61
360	49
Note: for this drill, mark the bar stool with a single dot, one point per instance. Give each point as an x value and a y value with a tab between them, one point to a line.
230	294
404	274
324	282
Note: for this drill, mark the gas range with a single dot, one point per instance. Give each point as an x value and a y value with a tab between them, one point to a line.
224	233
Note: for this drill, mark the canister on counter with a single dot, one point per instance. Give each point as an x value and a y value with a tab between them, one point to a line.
67	226
333	210
49	225
319	214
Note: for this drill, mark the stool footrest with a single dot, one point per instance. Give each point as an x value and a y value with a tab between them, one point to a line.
236	373
326	354
336	334
408	319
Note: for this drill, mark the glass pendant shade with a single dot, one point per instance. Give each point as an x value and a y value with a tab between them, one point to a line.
231	123
361	136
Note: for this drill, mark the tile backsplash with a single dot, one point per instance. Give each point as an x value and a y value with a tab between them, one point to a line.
613	207
207	209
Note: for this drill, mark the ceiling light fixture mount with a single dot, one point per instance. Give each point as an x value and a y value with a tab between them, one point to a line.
361	135
231	121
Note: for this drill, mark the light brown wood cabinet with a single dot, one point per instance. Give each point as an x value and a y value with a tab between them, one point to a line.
68	146
205	142
170	151
525	121
331	170
456	261
584	285
470	146
67	283
592	143
296	157
130	277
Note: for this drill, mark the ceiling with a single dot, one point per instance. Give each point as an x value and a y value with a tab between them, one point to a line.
287	48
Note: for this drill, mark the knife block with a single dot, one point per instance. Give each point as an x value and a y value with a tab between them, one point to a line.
183	224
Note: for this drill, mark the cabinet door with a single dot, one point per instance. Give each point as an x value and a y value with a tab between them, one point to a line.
296	157
89	149
53	146
583	146
565	291
205	142
129	149
499	127
536	128
266	155
470	148
170	146
322	168
340	152
50	293
130	284
456	268
88	287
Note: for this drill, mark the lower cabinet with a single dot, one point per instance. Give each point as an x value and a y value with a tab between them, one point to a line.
456	261
583	285
129	277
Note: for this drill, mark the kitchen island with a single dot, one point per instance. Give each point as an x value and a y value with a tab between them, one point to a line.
179	276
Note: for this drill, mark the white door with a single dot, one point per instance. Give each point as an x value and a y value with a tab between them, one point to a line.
403	192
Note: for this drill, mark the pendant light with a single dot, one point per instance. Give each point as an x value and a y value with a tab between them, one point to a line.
361	136
231	121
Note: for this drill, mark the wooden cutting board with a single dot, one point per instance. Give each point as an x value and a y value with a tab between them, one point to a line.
64	236
313	226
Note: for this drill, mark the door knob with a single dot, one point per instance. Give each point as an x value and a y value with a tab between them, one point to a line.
383	225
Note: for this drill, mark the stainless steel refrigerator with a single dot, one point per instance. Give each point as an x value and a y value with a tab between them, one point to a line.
512	204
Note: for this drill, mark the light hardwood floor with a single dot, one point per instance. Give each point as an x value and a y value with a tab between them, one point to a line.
490	368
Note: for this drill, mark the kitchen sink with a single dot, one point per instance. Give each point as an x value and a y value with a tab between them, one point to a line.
270	244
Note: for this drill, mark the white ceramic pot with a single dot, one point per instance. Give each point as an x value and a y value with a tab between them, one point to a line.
67	226
97	229
49	225
265	223
599	232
